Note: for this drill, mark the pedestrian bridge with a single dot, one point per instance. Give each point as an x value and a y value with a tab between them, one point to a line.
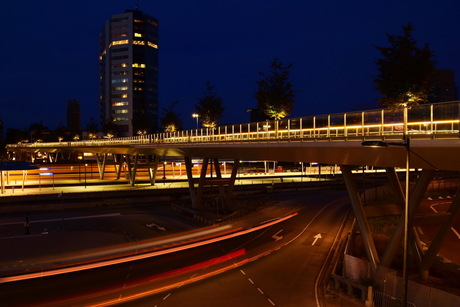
433	131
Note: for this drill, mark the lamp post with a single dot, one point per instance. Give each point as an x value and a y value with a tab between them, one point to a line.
85	173
196	115
406	144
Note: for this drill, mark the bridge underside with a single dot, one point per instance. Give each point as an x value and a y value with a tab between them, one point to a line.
440	154
422	256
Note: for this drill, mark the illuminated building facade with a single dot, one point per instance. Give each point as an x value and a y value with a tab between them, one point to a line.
129	73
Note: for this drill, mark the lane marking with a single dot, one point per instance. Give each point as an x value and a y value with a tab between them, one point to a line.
318	236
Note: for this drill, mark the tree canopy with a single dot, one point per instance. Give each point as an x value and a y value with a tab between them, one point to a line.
405	71
170	121
275	94
209	107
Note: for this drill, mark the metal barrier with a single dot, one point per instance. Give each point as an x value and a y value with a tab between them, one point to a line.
426	121
384	300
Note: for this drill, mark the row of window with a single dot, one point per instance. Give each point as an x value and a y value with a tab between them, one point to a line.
124	95
119	103
135	42
125	34
119	50
119	80
125	88
119	57
123	65
119	27
119	73
118	19
119	88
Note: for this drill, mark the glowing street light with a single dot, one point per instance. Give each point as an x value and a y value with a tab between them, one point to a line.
196	115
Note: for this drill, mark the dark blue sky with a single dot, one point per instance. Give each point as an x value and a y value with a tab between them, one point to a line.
49	51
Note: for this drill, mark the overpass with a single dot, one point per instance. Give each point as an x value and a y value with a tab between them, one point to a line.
428	135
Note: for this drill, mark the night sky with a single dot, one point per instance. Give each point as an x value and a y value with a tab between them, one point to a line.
49	52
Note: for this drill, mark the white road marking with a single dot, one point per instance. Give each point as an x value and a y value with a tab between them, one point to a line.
318	236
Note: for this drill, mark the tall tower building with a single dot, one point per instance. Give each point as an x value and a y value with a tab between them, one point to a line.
129	73
73	115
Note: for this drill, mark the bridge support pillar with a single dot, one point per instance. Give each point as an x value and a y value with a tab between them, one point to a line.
153	171
101	163
414	201
191	182
225	185
357	205
118	160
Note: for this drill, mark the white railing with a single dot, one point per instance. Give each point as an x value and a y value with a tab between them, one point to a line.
431	120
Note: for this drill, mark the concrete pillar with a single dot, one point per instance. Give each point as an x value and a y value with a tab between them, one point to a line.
361	218
414	201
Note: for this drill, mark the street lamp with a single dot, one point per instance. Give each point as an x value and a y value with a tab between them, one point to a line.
406	144
196	115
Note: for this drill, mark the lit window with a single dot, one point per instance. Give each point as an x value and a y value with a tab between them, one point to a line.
119	80
120	88
120	119
138	65
138	43
150	44
120	34
119	103
120	42
122	111
124	96
118	65
138	20
138	35
152	22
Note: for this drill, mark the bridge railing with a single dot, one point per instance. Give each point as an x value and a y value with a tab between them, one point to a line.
430	120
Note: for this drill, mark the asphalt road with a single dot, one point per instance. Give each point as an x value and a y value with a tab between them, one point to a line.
277	265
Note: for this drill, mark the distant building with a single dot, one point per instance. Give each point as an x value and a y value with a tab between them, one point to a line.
129	73
444	86
73	115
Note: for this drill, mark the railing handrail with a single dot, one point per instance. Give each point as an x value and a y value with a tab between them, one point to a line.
428	119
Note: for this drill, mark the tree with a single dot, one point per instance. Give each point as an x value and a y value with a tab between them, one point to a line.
209	107
61	132
92	128
170	121
110	129
405	71
38	132
275	95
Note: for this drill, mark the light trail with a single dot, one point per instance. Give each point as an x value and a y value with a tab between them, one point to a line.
105	263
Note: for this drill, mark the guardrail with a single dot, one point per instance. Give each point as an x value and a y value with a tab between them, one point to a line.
430	120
